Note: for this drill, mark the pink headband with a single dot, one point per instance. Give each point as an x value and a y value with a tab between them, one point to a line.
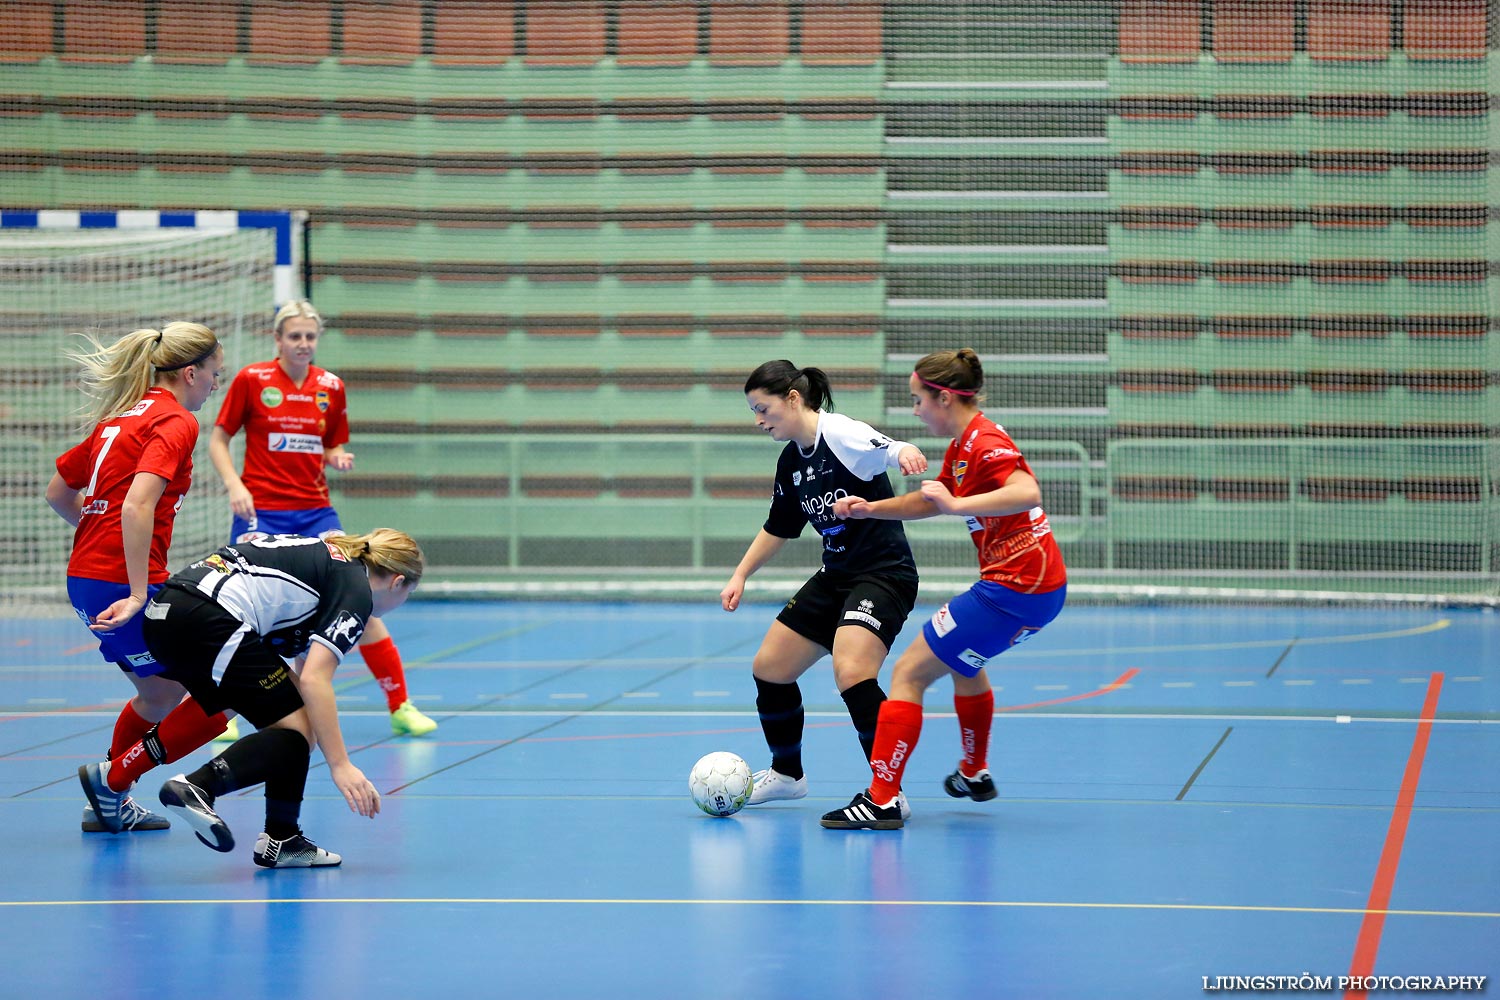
949	388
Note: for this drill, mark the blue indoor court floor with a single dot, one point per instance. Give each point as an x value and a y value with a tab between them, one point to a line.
1185	792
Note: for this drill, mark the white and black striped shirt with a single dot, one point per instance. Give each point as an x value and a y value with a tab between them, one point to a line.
292	590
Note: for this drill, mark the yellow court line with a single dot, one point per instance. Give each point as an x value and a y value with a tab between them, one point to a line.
1322	640
979	903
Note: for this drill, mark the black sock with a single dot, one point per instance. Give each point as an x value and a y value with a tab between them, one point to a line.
781	716
262	756
284	789
863	701
281	818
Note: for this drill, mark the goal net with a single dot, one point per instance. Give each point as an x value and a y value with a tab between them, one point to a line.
62	274
1229	264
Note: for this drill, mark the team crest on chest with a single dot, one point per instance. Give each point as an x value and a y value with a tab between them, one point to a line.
322	400
959	468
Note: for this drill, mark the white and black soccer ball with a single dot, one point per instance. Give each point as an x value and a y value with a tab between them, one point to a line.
720	783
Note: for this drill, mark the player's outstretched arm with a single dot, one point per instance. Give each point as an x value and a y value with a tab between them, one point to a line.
316	685
1020	493
907	507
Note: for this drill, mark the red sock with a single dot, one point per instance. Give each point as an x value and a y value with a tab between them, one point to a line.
129	727
975	713
384	661
895	738
185	729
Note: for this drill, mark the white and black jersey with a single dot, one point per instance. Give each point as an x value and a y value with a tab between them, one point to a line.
850	458
290	590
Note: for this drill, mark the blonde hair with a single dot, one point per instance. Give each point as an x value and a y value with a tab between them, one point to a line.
958	371
295	309
117	376
391	552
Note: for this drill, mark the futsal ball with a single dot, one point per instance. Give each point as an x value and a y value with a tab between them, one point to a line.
720	783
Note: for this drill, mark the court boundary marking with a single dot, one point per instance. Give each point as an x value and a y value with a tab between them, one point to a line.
1367	945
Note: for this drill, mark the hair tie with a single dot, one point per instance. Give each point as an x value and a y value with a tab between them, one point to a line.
948	388
158	338
188	364
367	549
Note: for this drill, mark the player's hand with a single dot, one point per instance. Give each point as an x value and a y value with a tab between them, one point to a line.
241	504
912	460
729	597
937	494
851	507
358	792
117	614
340	460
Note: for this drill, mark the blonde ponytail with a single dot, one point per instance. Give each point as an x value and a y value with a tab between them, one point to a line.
116	376
386	550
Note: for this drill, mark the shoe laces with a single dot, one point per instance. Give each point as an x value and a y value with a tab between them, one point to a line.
132	812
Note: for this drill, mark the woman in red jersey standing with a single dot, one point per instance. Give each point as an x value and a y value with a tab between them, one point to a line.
296	422
1022	586
121	488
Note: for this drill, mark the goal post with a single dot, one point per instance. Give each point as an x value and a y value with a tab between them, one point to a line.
63	273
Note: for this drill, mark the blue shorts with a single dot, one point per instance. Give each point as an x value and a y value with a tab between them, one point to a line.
986	620
125	645
313	523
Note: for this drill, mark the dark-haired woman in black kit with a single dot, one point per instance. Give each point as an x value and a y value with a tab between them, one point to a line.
857	601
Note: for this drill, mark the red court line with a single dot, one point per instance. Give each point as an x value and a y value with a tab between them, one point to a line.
1368	943
1113	685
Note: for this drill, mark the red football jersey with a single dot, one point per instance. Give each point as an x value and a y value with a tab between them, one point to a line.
1018	550
287	427
156	435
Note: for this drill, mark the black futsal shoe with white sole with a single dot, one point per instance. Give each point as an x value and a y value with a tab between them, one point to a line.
863	814
980	788
197	807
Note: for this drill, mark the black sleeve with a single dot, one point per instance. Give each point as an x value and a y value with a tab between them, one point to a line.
344	608
787	518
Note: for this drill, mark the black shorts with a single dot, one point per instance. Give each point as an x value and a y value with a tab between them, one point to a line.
220	660
879	602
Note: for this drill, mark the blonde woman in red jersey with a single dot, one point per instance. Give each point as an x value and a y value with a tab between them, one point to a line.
121	488
296	422
1022	586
